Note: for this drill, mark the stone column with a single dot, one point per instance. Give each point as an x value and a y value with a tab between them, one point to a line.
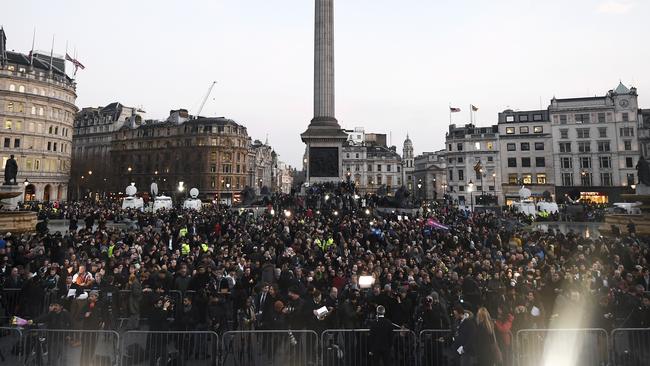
324	63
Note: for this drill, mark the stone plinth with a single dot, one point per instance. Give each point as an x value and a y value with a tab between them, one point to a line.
17	221
640	221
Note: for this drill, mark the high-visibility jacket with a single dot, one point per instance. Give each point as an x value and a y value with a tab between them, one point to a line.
110	250
204	247
183	232
185	249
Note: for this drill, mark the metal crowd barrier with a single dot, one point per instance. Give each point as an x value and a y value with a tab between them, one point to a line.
352	347
70	347
576	347
10	346
630	347
436	347
169	348
270	347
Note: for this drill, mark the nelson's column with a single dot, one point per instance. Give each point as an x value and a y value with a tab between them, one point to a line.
324	137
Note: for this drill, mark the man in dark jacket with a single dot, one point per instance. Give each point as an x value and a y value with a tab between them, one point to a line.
463	338
381	338
56	318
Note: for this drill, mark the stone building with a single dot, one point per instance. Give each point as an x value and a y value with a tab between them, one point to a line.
469	147
37	108
526	149
408	164
371	164
94	128
430	175
283	177
595	145
211	154
261	166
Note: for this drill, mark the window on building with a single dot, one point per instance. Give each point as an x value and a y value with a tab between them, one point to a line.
626	117
512	162
490	158
627	131
459	147
21	88
16	143
629	162
511	147
461	174
388	167
55	147
605	162
585	179
7	144
566	162
537	117
449	147
510	130
460	159
539	146
585	162
582	117
606	179
510	119
564	133
527	178
538	129
627	145
523	129
49	146
567	179
603	146
541	178
601	117
525	162
213	168
584	146
489	145
477	146
540	162
525	146
565	147
370	167
460	189
356	156
513	178
602	132
451	174
583	133
563	119
378	167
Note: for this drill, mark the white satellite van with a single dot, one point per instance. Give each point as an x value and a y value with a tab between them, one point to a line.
525	206
550	207
132	202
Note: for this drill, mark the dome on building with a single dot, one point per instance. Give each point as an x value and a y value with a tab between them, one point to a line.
408	141
621	89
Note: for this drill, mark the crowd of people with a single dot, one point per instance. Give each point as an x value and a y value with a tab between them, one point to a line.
296	263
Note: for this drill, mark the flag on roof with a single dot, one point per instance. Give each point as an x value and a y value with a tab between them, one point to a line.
454	110
474	108
75	62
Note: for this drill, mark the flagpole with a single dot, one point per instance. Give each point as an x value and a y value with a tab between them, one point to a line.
449	113
31	54
52	54
471	119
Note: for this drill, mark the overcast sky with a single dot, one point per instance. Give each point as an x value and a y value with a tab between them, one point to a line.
399	64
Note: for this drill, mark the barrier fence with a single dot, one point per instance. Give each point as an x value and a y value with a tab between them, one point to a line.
270	347
70	347
169	348
630	347
10	343
578	347
353	347
334	347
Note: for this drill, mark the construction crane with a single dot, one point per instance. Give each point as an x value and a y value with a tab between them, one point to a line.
205	99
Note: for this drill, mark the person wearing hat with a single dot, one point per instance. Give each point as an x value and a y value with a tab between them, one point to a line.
381	336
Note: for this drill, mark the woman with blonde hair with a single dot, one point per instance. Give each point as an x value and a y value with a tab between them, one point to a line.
485	347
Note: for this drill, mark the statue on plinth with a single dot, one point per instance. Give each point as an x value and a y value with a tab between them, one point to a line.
11	171
643	172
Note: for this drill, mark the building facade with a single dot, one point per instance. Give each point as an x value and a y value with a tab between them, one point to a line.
526	154
595	145
369	163
408	164
430	175
261	162
473	168
37	109
94	128
644	133
210	154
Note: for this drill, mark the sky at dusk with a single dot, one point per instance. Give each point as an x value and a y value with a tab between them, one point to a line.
399	64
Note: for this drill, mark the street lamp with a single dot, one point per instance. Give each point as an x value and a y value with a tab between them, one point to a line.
129	169
26	182
181	186
470	189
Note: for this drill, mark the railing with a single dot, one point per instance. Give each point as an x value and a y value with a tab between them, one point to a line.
576	347
354	347
70	347
630	347
334	347
187	348
270	347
